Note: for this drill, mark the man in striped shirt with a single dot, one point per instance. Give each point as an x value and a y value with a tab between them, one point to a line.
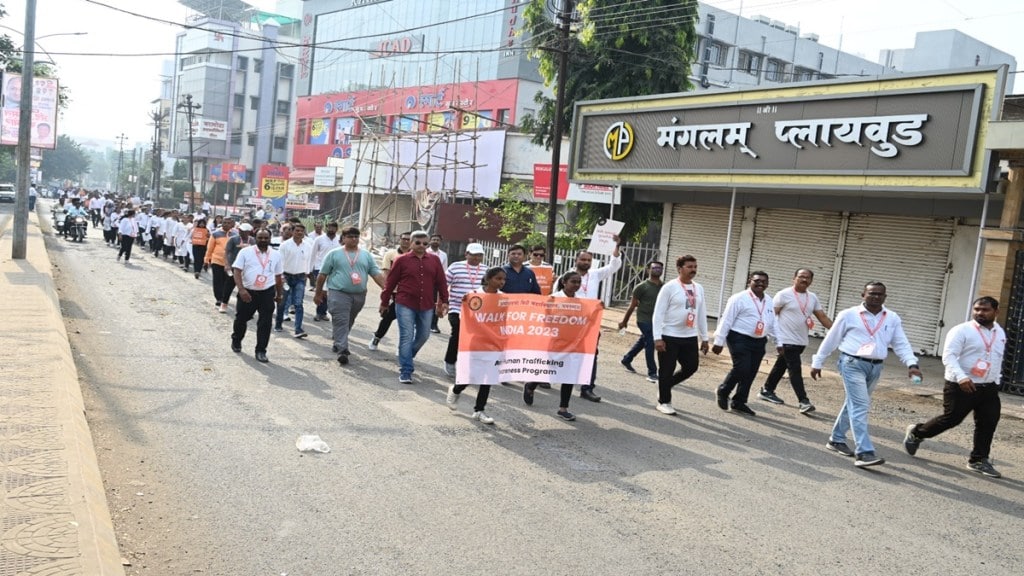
463	277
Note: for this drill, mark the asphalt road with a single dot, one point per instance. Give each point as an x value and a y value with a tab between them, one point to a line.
197	448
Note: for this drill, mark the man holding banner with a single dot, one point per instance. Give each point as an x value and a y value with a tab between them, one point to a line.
463	277
590	282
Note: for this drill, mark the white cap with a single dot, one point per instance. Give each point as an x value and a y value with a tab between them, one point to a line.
475	248
246	227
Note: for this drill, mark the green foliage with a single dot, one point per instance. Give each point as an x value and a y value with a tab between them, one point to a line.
620	49
180	171
8	167
65	162
514	214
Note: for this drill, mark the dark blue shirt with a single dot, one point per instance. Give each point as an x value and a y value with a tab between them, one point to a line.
522	282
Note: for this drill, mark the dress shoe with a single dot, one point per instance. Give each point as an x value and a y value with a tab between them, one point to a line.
236	347
528	394
544	386
743	409
588	394
723	401
262	357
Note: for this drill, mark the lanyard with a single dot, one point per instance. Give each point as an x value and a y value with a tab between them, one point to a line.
474	275
987	343
760	309
878	325
352	261
691	295
583	287
263	263
802	305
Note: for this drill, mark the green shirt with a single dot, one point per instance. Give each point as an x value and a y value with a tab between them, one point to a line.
339	264
646	295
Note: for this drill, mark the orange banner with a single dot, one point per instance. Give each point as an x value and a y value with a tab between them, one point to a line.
525	337
545	278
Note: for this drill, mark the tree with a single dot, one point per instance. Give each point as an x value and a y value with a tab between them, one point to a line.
65	162
516	216
180	170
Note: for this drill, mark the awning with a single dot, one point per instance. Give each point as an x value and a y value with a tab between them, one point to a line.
300	176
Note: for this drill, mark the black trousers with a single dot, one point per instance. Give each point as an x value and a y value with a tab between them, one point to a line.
789	360
956	405
198	254
564	395
385	322
126	247
747	353
452	354
682	351
223	283
262	303
481	396
158	244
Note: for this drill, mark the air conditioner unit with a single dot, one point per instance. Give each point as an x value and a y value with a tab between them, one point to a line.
811	36
762	19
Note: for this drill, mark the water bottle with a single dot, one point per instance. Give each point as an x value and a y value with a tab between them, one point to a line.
915	379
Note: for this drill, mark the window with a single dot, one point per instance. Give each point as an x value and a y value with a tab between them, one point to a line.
284	107
286	70
239	100
714	53
749	62
257	65
250	138
775	70
504	117
236	139
803	75
254	102
711	25
280	143
243	63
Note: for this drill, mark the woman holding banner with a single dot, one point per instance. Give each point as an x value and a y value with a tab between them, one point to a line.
493	281
568	286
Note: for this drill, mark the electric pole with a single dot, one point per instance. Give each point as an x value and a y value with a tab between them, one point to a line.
158	117
190	108
564	18
19	242
120	162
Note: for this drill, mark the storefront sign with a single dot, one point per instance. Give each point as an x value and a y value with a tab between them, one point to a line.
324	176
397	46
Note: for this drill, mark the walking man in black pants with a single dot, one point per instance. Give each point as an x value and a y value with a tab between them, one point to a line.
973	357
796	308
127	229
259	276
679	326
746	323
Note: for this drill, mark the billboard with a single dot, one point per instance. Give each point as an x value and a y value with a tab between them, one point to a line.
44	111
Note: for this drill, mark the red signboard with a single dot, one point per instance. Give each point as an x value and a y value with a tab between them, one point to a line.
542	181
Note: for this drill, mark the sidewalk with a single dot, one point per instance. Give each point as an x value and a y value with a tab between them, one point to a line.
54	518
894	375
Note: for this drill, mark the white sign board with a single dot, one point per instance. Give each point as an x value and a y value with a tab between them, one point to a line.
596	193
325	175
603	239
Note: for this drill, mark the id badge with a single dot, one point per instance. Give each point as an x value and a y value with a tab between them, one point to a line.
759	329
866	349
980	368
810	323
356	279
261	282
690	319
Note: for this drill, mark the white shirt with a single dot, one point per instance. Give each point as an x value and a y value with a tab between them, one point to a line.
590	283
323	244
295	257
254	264
968	343
793	309
127	227
155	222
742	314
851	334
674	305
440	254
462	279
143	220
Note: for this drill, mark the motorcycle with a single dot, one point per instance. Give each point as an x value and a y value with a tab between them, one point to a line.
58	220
79	228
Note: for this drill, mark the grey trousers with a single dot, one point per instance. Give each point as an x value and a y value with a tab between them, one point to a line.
344	307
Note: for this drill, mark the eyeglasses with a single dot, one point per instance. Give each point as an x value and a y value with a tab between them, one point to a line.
420	243
657	268
538	254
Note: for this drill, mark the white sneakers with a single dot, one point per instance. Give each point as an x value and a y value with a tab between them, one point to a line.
483	417
373	344
452	398
666	409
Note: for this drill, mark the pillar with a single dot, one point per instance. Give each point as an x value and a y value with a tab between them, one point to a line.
1002	244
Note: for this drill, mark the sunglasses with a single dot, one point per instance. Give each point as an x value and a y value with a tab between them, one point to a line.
539	254
420	243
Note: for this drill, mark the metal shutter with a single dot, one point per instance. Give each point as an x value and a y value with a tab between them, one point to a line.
911	257
700	230
785	240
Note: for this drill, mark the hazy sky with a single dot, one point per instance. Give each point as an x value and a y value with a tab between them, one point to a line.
111	93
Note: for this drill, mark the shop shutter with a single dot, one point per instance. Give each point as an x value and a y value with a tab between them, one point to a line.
700	230
394	210
785	240
910	256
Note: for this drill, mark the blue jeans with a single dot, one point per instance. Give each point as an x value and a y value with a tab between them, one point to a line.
293	297
645	343
321	309
859	380
413	331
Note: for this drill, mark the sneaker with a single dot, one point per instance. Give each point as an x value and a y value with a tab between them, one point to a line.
652	378
449	369
301	334
839	448
743	409
343	359
278	329
452	399
373	344
628	366
806	407
528	394
483	417
223	308
567	416
865	459
769	397
665	409
435	330
287	318
911	442
985	468
405	379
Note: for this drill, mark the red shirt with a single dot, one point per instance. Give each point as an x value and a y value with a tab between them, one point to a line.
416	283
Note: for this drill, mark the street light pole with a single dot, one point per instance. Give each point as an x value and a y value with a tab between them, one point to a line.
19	242
190	109
120	162
158	117
564	17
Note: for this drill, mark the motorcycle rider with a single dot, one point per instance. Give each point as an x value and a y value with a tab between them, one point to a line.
71	211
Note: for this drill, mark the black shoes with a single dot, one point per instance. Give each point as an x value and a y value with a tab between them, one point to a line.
544	386
743	409
723	401
528	394
866	459
262	357
911	442
839	448
342	359
588	394
236	347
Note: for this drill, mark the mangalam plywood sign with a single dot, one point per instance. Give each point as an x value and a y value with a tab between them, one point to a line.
833	135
